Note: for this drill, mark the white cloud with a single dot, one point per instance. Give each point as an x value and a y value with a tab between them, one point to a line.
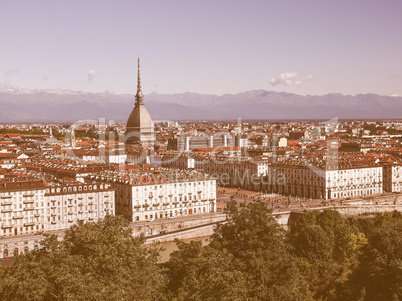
91	74
10	72
47	75
289	78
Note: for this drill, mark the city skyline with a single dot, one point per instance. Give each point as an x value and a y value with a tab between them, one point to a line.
305	48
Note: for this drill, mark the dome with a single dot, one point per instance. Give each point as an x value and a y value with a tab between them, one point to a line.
140	118
140	127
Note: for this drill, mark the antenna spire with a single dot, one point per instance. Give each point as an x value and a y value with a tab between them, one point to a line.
139	97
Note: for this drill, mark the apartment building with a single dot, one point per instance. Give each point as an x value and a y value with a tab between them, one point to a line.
32	205
392	177
307	180
153	195
228	171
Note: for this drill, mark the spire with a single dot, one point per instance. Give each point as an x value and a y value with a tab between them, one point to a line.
139	97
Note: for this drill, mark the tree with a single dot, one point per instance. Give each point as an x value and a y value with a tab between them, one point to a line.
247	259
379	273
203	273
328	248
95	261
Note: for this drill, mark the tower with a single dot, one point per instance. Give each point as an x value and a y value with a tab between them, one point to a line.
140	127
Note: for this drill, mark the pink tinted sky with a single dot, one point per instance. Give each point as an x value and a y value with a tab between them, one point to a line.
213	47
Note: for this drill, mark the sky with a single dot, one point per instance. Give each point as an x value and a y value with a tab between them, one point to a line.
304	47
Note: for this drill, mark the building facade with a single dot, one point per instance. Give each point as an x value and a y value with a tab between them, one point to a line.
33	206
312	182
392	177
145	196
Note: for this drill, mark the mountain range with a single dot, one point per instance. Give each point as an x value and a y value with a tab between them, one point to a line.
23	106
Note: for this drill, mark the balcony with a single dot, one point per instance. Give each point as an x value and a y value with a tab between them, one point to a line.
137	206
166	204
145	205
28	208
6	197
155	205
69	213
53	222
18	217
6	226
6	210
53	214
29	224
28	201
6	203
53	207
37	215
28	195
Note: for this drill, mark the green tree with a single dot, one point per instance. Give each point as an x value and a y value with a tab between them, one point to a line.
247	259
203	273
380	270
328	248
95	261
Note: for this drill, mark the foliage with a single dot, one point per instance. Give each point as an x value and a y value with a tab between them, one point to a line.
250	257
247	259
379	273
95	261
328	248
203	273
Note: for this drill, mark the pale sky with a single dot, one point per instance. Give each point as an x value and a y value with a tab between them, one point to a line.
213	47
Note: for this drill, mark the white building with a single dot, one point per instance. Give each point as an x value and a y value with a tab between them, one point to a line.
350	182
23	207
31	206
144	196
68	204
312	182
392	175
232	172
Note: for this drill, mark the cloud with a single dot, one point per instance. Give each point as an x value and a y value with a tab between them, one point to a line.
91	74
289	78
47	75
10	72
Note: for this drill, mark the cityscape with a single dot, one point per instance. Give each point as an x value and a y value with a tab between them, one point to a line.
274	191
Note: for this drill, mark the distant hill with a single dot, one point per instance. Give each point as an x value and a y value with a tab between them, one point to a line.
68	106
